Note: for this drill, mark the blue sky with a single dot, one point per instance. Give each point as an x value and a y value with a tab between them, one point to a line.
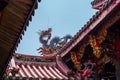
63	16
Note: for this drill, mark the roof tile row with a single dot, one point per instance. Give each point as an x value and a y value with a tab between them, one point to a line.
38	71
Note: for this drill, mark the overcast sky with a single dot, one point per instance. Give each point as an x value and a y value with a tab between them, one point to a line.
63	16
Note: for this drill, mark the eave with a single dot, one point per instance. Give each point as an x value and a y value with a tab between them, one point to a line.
15	17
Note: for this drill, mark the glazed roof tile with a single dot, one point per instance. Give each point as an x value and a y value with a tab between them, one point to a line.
37	70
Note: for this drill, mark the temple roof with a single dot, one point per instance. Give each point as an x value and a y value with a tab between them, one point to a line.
30	68
106	13
14	17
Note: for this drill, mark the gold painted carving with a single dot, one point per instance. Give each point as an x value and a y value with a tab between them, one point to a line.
75	59
95	42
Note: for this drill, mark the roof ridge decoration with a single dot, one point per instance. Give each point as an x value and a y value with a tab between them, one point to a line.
31	58
51	45
98	4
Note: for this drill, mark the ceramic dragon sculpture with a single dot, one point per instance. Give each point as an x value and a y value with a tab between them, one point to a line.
51	45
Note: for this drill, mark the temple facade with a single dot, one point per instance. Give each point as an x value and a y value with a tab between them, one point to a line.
92	54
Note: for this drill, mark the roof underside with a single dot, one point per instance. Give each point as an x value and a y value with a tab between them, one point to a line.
13	21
